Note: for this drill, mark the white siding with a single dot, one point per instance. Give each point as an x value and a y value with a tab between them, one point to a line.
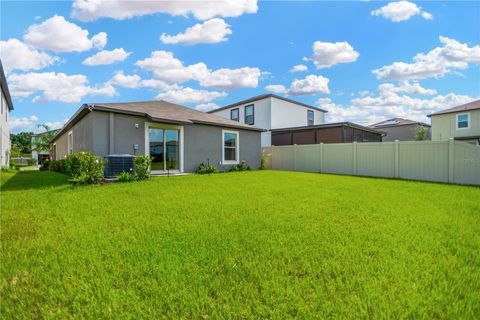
5	128
287	115
273	113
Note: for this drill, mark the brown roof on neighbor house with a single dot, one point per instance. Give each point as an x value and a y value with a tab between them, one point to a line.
158	111
331	125
4	87
396	122
264	96
474	105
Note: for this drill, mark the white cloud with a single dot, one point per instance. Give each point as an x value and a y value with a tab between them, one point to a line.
205	107
299	68
311	84
401	11
88	10
327	54
167	68
390	104
436	63
210	31
16	55
224	78
57	34
276	88
106	57
22	122
126	81
187	95
53	86
53	125
99	41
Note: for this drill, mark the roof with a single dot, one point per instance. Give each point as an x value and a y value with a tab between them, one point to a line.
4	87
157	111
395	122
264	96
474	105
331	125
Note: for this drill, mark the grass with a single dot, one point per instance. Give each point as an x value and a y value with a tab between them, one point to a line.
254	245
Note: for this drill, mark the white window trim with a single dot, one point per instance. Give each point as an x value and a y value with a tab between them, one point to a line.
237	148
70	133
156	125
456	121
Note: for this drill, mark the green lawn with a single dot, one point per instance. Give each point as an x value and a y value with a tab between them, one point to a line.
253	245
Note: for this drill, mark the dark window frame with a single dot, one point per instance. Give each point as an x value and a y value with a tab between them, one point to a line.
238	114
310	112
253	114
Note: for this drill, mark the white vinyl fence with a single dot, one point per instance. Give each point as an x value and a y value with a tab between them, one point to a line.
441	161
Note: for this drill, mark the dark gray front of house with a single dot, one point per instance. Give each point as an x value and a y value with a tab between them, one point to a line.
175	146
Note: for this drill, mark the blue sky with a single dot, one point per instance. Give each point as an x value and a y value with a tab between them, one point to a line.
362	61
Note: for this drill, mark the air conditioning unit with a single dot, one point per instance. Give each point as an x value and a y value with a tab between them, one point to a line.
117	163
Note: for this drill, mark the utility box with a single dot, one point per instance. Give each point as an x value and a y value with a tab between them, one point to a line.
117	163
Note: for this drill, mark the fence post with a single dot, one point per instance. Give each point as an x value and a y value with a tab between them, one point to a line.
294	157
354	157
396	156
321	156
451	160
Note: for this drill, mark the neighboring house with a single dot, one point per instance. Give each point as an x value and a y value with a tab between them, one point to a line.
39	156
269	112
460	123
342	132
6	106
176	137
400	129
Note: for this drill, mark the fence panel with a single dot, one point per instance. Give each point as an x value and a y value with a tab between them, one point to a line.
376	159
338	158
424	160
466	168
441	161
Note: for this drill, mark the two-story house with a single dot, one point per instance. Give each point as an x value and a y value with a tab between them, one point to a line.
270	112
6	106
459	123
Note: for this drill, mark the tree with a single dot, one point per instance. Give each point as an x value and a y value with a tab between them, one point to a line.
42	140
421	133
23	141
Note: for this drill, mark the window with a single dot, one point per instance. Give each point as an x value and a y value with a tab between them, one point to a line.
310	117
234	115
230	147
463	121
54	152
70	142
249	115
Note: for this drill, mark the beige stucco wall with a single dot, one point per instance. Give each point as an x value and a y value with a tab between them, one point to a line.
444	126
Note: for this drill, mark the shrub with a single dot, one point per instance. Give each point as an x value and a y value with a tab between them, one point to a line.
142	167
205	169
31	162
56	165
125	177
84	167
243	166
45	166
263	163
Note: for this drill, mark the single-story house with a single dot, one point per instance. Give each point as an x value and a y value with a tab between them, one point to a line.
459	123
176	137
341	132
400	129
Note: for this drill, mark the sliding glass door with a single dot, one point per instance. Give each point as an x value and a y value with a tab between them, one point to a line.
164	149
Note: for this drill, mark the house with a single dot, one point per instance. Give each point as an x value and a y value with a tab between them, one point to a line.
7	107
270	112
400	129
39	156
342	132
176	137
460	123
